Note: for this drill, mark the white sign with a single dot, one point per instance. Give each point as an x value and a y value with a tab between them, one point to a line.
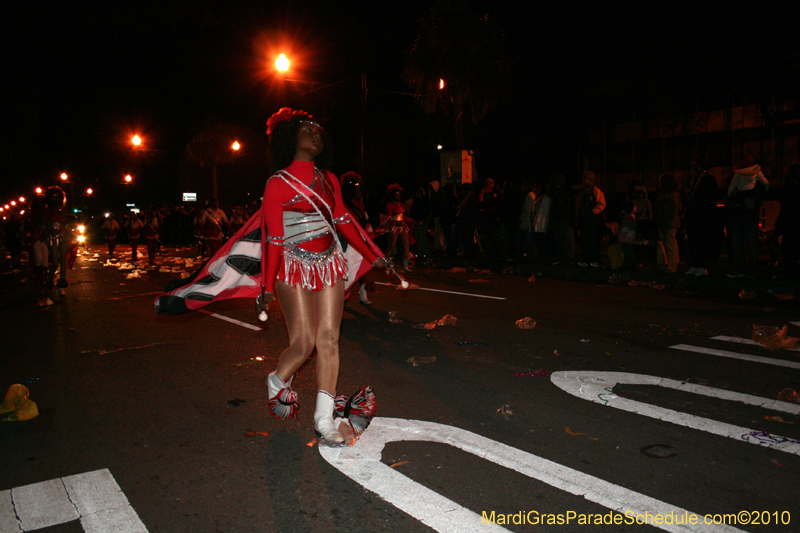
190	197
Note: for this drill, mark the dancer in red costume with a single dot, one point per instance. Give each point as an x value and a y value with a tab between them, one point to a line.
304	265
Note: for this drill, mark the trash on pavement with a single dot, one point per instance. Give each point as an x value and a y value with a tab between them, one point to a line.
401	463
133	275
584	340
44	302
393	318
765	438
774	338
744	295
17	406
658	451
457	270
787	296
446	320
254	433
416	360
789	395
506	411
575	433
532	278
778	419
526	323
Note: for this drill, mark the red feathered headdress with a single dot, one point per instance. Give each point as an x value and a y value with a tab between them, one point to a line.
284	114
394	187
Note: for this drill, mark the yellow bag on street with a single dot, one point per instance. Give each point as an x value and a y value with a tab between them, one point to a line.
616	256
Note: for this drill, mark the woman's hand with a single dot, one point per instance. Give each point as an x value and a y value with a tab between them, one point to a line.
383	263
262	303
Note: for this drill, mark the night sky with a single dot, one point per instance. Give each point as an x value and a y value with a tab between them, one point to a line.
78	81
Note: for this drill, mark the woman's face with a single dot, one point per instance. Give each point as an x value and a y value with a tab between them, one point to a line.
309	142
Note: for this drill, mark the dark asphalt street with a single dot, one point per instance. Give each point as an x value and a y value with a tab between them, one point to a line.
172	409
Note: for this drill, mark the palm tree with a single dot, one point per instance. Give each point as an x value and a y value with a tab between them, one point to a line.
458	63
212	146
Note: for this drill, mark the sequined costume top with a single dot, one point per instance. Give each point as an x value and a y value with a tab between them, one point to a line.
301	205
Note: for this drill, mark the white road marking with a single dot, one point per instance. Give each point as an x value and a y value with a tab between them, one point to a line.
362	464
597	386
735	355
231	320
749	342
447	292
795	323
94	498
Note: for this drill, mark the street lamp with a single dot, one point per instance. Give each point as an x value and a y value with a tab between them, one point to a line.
236	146
136	140
282	64
89	191
64	176
22	199
38	190
128	178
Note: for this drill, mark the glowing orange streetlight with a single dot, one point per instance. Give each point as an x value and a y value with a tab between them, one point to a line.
64	176
22	199
89	190
128	178
38	190
236	146
136	140
13	202
282	64
441	84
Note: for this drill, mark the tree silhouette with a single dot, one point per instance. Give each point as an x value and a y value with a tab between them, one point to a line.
466	50
211	146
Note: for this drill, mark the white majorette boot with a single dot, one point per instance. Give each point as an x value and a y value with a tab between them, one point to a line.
323	421
362	295
282	398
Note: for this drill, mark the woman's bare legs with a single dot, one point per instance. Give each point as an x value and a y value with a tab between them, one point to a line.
313	320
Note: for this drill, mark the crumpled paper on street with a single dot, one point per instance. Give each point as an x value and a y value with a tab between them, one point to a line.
17	406
425	360
789	395
446	320
526	323
45	302
133	275
774	338
393	318
506	411
744	295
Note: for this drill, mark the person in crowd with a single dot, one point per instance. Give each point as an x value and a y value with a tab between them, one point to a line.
787	226
449	207
627	235
353	197
399	223
743	205
560	218
488	216
56	236
668	219
420	213
134	227
526	214
212	224
467	219
700	216
238	218
111	228
591	204
304	262
541	222
152	223
35	228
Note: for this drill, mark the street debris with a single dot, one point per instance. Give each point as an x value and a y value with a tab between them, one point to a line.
393	318
401	463
777	419
774	338
574	433
787	296
532	278
535	373
653	284
584	340
526	323
446	320
744	295
789	395
658	451
45	302
457	270
254	433
416	360
17	406
506	411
